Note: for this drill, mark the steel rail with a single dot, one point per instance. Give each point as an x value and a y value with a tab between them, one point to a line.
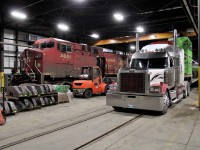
54	130
107	133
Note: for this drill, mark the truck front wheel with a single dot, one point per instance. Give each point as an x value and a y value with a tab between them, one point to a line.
166	102
87	93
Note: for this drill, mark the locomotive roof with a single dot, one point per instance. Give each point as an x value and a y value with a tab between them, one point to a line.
54	39
60	40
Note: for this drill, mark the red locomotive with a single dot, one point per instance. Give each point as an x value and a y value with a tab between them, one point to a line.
53	58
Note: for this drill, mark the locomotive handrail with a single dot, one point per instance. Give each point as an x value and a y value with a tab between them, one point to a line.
38	70
30	69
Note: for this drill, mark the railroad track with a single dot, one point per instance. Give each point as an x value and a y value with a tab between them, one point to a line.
69	123
118	127
108	133
98	114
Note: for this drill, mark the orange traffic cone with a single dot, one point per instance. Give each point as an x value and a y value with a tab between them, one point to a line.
2	118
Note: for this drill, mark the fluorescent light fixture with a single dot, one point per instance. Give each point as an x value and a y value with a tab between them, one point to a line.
95	35
79	1
18	15
132	47
140	29
63	27
118	16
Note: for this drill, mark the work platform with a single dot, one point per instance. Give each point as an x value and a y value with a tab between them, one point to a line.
90	124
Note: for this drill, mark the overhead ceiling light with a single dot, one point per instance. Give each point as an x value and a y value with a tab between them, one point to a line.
118	16
140	29
63	27
132	47
18	15
95	35
79	1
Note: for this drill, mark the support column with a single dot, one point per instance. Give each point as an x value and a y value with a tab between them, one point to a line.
2	57
16	51
199	53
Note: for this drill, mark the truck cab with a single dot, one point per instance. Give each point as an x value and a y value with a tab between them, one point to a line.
90	82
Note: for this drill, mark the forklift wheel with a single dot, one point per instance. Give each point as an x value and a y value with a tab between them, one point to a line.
87	93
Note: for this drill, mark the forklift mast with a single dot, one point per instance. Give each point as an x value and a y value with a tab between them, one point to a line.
101	63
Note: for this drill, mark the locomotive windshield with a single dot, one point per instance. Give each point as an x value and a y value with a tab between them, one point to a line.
49	44
36	46
149	63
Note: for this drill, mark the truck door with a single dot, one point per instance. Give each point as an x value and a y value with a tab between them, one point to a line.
97	79
169	75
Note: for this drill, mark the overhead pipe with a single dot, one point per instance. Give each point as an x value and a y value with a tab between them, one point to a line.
175	43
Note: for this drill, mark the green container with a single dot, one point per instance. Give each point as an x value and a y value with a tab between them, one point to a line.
186	44
61	88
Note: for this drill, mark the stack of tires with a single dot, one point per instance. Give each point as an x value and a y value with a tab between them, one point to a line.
32	96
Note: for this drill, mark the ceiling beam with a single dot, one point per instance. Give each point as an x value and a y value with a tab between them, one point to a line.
147	37
190	16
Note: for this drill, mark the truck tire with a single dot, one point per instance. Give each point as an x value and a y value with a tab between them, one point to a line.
87	93
166	104
188	89
117	108
185	94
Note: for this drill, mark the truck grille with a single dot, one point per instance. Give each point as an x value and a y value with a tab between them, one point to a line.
132	82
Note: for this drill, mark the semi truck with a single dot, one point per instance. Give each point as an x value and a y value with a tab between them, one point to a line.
158	76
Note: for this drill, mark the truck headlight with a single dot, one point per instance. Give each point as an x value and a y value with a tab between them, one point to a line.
113	87
155	89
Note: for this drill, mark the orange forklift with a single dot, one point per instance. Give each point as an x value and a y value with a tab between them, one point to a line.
91	80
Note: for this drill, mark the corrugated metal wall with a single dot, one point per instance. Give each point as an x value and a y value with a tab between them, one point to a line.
10	51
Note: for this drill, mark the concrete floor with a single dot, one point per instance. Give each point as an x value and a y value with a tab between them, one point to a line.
179	129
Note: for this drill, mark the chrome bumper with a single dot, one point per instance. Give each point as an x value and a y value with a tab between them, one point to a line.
135	101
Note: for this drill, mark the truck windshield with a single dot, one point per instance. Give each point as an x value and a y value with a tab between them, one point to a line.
139	63
149	63
158	63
